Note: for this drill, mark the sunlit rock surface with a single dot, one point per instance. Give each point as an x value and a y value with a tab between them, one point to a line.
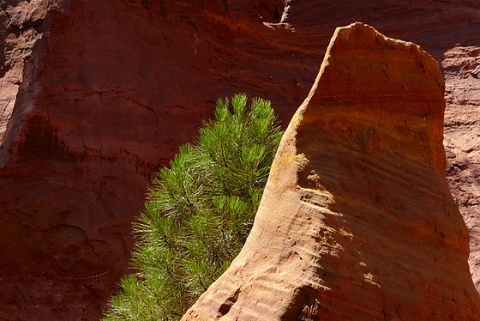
357	221
96	95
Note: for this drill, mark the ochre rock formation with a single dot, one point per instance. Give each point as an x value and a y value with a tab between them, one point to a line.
96	95
357	221
462	140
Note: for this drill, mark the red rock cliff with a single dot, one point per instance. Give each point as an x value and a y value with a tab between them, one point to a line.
357	221
97	94
104	92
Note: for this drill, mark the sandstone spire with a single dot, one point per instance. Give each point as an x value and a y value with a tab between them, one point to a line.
357	221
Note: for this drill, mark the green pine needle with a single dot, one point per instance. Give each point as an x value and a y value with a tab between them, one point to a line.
199	212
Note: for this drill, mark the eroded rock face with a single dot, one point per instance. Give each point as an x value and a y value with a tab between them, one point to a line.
357	221
21	26
104	93
98	94
462	140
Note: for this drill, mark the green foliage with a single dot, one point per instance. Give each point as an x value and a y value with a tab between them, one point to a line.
199	212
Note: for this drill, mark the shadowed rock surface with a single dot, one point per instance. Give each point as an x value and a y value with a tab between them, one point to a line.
357	221
95	95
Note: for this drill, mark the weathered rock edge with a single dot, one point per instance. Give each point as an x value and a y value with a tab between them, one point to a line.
356	222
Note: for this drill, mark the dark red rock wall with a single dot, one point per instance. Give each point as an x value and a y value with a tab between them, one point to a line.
104	93
110	91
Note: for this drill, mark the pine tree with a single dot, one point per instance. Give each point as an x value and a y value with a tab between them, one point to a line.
199	212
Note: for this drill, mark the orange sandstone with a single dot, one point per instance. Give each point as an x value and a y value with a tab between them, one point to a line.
96	95
357	221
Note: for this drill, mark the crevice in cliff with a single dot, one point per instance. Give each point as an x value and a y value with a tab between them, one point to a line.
150	109
304	306
229	302
271	11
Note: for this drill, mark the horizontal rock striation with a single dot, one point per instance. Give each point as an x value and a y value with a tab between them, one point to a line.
462	140
96	95
357	221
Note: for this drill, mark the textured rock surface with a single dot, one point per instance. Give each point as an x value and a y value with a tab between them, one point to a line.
357	221
105	91
462	140
21	23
